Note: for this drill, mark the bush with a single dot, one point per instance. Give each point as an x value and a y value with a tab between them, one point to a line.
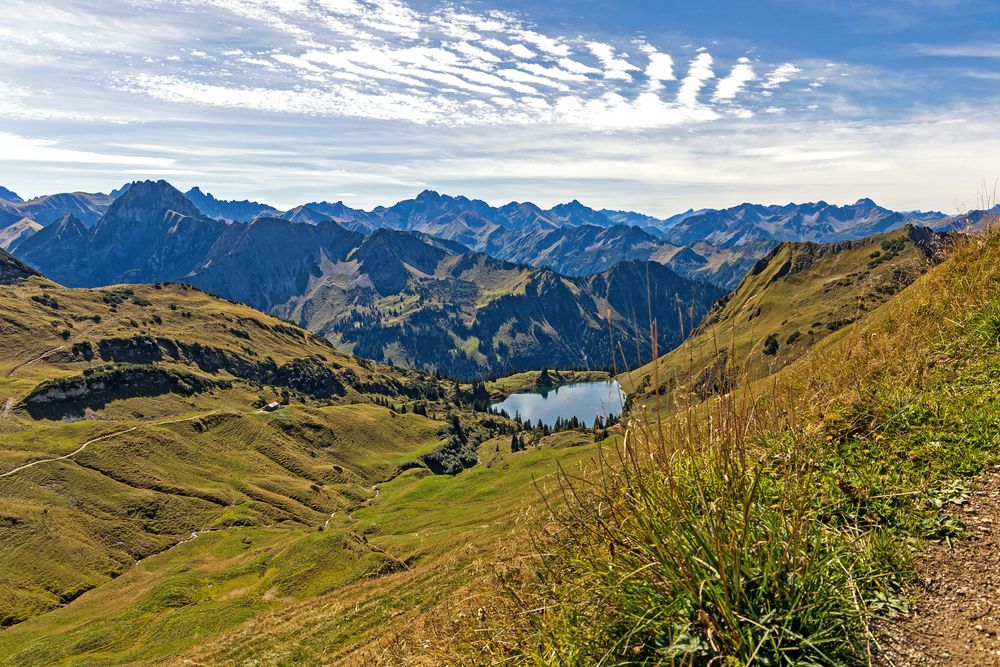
771	345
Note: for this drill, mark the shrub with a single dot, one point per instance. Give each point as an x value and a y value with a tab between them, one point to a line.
771	345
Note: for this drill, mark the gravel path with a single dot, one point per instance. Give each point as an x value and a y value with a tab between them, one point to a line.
957	620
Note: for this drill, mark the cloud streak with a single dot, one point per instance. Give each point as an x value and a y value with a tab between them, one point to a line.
387	60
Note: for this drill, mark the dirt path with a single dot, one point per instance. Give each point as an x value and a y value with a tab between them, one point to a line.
957	621
103	437
31	361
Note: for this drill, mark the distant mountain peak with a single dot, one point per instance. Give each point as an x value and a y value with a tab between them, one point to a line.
864	202
9	195
70	221
146	203
428	195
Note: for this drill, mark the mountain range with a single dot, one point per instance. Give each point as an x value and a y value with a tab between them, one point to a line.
713	245
448	283
399	296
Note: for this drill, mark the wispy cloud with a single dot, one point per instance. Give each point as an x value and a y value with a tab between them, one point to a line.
964	50
383	60
780	75
699	72
24	149
615	66
734	84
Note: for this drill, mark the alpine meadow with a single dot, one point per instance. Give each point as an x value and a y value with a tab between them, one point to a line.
397	333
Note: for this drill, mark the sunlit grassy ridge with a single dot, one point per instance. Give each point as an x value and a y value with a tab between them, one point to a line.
792	299
777	523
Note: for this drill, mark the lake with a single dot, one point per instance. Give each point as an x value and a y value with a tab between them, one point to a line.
583	400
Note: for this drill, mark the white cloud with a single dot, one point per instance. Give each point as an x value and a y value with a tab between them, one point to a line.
426	63
781	74
659	69
731	86
699	72
577	67
549	45
615	66
22	149
519	50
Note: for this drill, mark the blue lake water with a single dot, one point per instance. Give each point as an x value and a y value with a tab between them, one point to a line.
583	400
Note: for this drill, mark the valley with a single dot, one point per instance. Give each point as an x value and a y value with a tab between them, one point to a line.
184	511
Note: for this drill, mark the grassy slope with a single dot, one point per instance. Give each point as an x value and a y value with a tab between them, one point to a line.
291	593
170	464
784	518
96	552
800	294
449	530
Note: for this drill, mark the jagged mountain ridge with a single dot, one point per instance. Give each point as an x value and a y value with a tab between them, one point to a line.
226	209
725	242
818	222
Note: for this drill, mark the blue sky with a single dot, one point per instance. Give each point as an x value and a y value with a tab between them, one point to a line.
651	106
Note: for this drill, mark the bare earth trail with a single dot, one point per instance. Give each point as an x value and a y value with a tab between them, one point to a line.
31	361
104	437
957	621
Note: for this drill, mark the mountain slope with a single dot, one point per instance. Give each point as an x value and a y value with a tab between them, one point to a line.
398	298
792	299
85	206
14	233
13	270
142	488
9	195
393	295
588	249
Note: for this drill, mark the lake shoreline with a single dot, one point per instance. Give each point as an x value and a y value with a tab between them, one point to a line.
583	401
528	381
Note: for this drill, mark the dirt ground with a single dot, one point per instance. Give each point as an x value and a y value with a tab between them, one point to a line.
957	620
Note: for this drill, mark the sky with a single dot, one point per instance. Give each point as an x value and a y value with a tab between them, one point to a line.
652	106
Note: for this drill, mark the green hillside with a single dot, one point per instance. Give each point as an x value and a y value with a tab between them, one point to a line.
793	298
149	508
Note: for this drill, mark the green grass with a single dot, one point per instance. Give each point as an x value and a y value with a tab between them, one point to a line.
93	564
175	600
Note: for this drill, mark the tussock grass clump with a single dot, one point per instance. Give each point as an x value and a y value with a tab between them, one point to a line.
775	524
681	555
